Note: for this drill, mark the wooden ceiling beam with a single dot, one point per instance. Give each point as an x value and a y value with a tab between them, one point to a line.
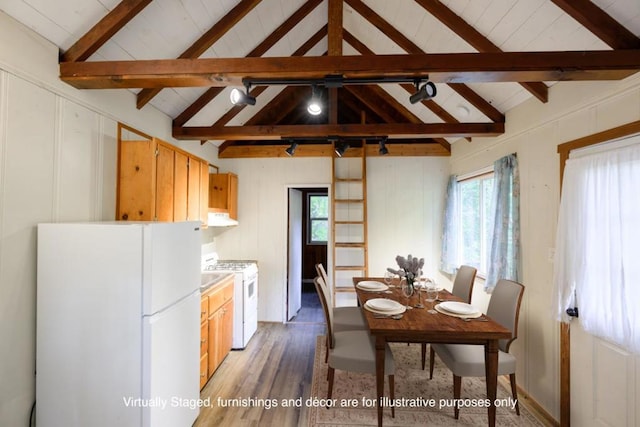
430	104
334	48
472	36
393	130
356	106
441	68
113	22
211	93
410	47
255	92
596	20
281	105
207	40
421	147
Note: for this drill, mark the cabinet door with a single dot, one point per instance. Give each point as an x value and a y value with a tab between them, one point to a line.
226	330
204	191
180	187
233	196
193	190
137	175
204	361
164	183
214	327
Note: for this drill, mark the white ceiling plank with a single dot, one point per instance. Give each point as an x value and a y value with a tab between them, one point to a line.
514	19
492	15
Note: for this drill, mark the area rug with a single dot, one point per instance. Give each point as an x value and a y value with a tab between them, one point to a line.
426	402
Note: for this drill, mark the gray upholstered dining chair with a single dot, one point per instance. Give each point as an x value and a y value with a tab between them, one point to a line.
344	318
353	351
462	288
467	360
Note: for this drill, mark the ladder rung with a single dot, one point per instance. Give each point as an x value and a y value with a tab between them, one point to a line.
348	180
348	200
349	267
349	244
348	222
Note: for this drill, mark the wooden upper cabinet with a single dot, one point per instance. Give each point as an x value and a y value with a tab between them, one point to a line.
160	182
136	179
223	193
164	183
204	191
193	190
181	187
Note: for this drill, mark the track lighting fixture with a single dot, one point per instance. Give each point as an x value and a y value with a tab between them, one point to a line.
239	98
383	151
292	149
424	93
341	147
315	107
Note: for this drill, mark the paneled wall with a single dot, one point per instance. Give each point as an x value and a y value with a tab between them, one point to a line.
57	163
534	130
405	205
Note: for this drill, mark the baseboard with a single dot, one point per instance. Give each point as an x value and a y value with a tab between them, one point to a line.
525	399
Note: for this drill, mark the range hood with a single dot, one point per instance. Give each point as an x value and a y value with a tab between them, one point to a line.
220	219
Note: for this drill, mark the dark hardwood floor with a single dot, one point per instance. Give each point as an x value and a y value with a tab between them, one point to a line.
277	364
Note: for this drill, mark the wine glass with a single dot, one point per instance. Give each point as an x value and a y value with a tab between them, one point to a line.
407	291
419	286
388	278
432	295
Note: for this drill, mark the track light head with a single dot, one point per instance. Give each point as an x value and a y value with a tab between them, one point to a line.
237	97
291	150
424	93
314	107
383	151
341	147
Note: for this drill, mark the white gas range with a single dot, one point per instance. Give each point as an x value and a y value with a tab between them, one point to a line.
245	296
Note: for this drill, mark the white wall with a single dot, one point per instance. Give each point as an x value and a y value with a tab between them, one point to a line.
57	163
405	203
534	130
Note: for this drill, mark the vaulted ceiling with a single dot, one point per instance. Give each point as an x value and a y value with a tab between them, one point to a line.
485	57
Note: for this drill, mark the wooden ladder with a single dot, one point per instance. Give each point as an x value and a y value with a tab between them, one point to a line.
348	222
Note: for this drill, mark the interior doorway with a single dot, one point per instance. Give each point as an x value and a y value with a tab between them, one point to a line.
308	236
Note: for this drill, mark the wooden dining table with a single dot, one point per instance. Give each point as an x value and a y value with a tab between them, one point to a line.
418	325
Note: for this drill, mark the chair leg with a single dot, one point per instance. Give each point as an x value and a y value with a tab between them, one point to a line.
514	391
457	388
392	394
423	353
432	361
330	375
326	347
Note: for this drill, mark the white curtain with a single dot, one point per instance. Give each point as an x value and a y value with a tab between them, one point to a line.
598	245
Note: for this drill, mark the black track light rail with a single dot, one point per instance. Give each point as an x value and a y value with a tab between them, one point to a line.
333	81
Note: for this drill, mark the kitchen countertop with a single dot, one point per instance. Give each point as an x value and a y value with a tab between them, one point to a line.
209	279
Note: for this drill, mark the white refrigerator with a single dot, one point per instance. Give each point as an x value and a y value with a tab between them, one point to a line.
118	324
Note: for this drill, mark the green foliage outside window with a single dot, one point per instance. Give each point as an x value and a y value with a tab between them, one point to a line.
318	218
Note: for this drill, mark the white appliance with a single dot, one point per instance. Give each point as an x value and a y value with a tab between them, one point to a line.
118	324
245	295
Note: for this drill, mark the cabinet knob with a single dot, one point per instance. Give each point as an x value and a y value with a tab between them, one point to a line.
202	313
203	341
203	375
125	217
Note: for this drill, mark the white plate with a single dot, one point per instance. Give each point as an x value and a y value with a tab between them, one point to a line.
458	307
462	316
399	310
369	285
383	304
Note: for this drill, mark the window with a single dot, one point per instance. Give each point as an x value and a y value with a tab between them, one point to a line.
475	221
318	221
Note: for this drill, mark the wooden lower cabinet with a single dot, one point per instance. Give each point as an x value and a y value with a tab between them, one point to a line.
216	329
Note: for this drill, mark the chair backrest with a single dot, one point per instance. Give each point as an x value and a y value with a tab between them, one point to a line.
323	274
504	308
328	312
463	283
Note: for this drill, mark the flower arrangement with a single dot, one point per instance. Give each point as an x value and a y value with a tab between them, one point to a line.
410	268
